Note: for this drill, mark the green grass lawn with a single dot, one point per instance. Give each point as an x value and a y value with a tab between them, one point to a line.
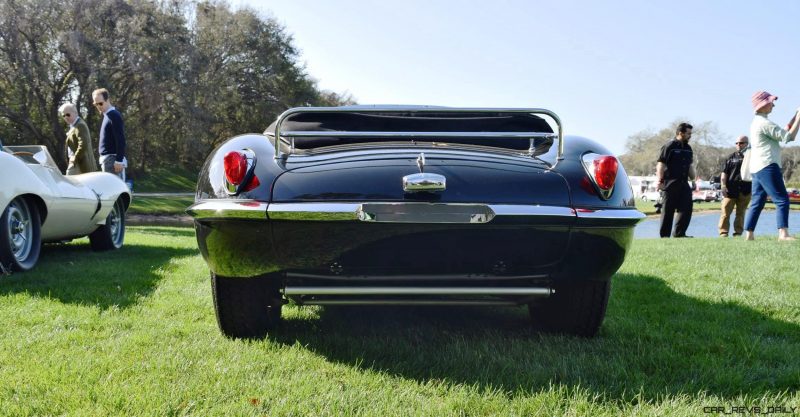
161	180
160	205
691	324
647	207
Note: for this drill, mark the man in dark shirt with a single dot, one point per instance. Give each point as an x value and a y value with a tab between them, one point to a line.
673	169
112	135
736	192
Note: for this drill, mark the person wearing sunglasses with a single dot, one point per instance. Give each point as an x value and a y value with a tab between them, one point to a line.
765	166
735	190
112	135
79	142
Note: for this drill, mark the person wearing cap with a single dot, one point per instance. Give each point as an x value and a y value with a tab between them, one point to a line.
735	191
674	167
765	165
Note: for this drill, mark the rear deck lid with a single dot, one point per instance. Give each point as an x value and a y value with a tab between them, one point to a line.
377	175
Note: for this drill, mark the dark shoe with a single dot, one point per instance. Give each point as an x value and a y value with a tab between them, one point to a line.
684	236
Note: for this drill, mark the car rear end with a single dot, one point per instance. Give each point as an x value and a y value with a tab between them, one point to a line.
413	206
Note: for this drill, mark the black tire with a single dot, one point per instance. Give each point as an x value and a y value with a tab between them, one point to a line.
20	235
578	308
246	308
112	234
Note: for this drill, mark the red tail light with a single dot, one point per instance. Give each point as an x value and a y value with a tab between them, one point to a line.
235	164
605	172
602	170
239	171
252	184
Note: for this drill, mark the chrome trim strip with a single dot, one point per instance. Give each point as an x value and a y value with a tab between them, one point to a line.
528	210
290	290
618	214
410	302
415	109
394	147
250	209
383	134
229	209
356	211
425	213
314	211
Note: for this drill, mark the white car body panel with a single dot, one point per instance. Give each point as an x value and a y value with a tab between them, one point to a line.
70	203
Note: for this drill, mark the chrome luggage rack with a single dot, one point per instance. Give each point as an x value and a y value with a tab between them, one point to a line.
292	134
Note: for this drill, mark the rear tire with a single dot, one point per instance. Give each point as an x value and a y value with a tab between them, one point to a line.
577	308
246	308
112	234
20	236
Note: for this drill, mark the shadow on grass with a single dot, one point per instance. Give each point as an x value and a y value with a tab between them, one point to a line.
73	273
654	342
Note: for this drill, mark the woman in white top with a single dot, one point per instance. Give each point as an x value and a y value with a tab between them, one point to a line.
765	165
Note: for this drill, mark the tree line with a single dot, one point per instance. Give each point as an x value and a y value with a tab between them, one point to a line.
711	149
186	75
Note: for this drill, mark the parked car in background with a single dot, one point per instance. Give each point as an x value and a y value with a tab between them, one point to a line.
413	205
642	185
38	204
794	196
651	196
706	191
706	195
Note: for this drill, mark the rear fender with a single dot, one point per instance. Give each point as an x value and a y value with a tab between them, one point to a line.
18	180
211	181
108	188
584	193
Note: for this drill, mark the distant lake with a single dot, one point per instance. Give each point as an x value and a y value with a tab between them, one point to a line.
705	225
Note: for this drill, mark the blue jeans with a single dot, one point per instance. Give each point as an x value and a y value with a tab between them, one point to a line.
768	181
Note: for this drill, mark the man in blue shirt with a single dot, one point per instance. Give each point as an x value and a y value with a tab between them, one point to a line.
112	135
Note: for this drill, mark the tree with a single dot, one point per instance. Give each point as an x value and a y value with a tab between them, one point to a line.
185	75
642	149
34	75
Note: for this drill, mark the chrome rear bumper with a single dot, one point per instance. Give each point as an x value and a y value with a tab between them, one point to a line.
395	212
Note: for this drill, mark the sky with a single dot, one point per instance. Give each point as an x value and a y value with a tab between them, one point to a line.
609	69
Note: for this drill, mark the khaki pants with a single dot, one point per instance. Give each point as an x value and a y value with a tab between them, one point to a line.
728	204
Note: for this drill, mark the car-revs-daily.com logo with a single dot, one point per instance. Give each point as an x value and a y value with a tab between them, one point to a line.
754	410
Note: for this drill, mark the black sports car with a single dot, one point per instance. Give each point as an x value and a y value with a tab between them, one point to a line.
413	205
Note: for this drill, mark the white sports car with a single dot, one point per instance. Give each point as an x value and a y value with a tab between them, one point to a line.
39	204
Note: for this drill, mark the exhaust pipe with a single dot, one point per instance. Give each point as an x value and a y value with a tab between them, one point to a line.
454	291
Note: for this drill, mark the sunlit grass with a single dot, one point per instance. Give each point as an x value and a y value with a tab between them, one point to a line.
691	324
160	205
166	180
647	207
